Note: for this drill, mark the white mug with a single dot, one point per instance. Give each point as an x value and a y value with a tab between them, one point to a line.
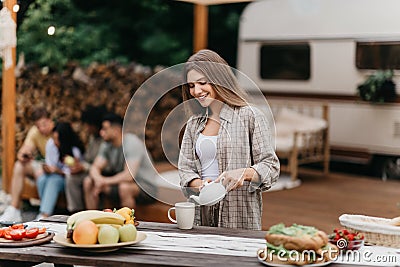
184	212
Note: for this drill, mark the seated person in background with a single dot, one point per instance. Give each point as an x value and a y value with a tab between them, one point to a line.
28	164
63	157
110	174
91	118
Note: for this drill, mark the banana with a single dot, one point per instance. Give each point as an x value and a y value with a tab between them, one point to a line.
96	216
109	219
117	226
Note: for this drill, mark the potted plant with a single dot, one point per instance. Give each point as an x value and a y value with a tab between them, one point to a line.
378	87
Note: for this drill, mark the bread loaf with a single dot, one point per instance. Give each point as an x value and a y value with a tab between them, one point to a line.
395	221
300	243
297	245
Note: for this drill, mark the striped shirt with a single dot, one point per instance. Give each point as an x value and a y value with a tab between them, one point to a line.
245	139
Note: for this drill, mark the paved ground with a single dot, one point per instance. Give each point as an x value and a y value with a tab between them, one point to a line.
29	211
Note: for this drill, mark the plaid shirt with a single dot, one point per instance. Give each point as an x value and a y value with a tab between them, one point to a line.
244	140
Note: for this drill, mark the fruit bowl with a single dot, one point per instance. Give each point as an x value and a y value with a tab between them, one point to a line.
344	244
60	238
346	239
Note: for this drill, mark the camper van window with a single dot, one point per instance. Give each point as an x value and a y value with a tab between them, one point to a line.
285	62
378	55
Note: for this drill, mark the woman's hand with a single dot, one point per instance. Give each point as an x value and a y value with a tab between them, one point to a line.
234	179
198	183
50	169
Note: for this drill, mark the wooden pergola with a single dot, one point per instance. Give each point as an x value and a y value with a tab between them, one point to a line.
8	112
200	26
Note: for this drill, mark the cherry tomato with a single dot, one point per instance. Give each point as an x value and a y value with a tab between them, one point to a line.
7	236
17	234
42	230
337	237
32	232
6	230
2	232
346	234
350	237
18	226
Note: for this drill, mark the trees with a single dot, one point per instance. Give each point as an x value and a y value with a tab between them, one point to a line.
74	39
151	32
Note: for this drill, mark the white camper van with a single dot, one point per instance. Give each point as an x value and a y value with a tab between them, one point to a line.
321	50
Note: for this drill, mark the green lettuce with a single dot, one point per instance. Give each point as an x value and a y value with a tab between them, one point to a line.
293	230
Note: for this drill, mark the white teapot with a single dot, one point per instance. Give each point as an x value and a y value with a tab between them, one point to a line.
210	194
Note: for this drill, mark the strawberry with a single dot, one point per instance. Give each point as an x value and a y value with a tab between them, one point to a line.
350	237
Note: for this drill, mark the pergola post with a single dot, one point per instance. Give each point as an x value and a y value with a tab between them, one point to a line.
8	113
200	29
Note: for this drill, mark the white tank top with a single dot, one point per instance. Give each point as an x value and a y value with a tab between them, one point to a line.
206	150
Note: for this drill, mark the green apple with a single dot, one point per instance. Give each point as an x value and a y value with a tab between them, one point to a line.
69	161
108	235
127	233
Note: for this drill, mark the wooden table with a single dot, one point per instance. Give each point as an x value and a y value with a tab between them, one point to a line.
62	256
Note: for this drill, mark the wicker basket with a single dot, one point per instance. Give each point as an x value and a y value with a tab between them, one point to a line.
377	231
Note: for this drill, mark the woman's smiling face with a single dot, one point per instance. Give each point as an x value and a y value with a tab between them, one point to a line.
200	88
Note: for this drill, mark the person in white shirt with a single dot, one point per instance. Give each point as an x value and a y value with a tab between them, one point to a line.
64	144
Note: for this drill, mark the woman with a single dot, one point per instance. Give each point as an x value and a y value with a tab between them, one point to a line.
63	155
225	139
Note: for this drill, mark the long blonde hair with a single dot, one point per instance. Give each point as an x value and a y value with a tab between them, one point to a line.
218	74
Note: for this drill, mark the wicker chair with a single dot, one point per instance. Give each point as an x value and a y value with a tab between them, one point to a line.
302	135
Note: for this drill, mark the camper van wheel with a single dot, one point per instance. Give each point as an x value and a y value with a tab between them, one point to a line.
391	168
376	165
